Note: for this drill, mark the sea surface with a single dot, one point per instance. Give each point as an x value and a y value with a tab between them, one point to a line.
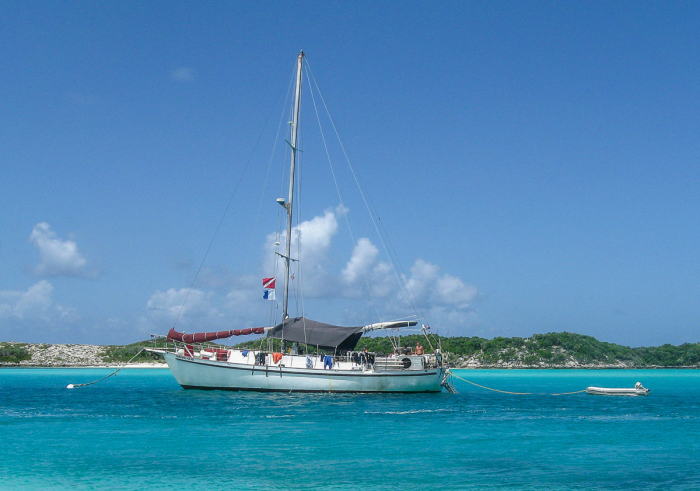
140	430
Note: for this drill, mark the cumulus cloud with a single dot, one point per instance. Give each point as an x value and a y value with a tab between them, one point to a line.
224	302
444	295
165	307
428	286
182	74
363	256
57	257
36	305
240	307
316	236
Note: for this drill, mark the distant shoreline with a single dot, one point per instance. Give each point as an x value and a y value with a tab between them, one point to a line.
129	366
164	366
574	368
30	355
552	351
113	367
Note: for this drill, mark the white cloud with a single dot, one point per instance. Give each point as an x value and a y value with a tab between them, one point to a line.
452	291
383	280
35	305
423	276
316	236
165	307
441	296
225	302
35	302
57	257
363	256
182	74
242	306
427	286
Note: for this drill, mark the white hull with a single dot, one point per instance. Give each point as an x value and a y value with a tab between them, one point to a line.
195	373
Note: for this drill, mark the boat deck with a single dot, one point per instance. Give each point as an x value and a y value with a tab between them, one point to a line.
354	360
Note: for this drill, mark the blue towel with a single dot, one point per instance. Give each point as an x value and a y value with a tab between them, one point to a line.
328	361
309	363
245	352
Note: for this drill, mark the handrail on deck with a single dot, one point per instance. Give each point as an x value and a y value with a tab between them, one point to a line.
368	360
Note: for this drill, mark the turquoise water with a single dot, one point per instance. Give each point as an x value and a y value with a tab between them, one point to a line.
140	430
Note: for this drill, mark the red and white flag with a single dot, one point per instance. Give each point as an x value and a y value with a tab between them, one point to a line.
269	282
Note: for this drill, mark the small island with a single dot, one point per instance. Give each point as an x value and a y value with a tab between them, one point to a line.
551	350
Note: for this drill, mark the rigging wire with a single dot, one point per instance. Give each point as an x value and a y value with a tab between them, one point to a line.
299	292
228	205
408	293
337	189
281	213
274	307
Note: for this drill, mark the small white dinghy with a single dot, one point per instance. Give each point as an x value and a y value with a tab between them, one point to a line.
639	390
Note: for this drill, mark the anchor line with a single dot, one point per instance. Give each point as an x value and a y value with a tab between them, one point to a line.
72	386
508	392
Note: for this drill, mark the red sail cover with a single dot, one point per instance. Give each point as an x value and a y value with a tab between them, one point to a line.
201	337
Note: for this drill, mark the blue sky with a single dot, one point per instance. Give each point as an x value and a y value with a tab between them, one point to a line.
534	163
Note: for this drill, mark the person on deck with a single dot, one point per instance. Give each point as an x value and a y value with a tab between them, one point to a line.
419	349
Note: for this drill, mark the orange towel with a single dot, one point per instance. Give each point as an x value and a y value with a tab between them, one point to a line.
276	357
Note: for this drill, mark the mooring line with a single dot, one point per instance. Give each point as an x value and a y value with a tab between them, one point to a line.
508	392
73	386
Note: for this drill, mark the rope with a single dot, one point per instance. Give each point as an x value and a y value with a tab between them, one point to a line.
396	266
223	216
73	386
344	210
515	393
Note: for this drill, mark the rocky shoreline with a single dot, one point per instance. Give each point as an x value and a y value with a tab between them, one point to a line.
87	355
573	365
570	362
70	355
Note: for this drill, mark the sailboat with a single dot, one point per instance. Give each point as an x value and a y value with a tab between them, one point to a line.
322	357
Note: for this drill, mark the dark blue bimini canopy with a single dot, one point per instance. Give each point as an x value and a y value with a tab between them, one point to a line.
313	333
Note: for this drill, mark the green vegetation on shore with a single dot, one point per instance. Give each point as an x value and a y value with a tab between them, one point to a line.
560	348
551	349
122	354
556	349
13	353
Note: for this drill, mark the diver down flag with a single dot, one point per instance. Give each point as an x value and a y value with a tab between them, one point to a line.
269	286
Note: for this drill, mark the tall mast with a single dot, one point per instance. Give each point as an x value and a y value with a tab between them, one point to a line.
288	204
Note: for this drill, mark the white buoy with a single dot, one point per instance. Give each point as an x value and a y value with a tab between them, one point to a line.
70	386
